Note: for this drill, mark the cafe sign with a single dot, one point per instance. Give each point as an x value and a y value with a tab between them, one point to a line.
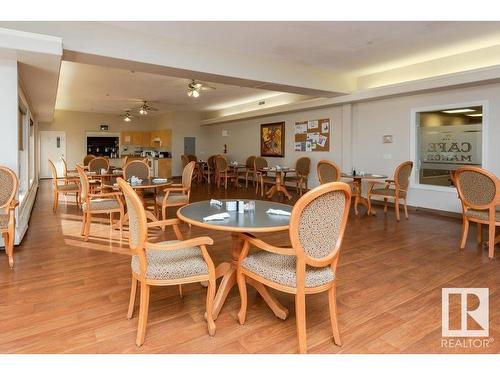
451	144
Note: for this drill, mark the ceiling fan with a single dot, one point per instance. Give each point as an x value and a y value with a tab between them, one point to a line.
127	117
145	108
194	88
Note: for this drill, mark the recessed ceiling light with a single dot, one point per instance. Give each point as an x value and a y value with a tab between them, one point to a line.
475	115
461	110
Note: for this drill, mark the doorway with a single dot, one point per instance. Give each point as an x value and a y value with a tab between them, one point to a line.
189	145
53	147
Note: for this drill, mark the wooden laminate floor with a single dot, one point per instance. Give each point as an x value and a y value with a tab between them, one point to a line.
69	296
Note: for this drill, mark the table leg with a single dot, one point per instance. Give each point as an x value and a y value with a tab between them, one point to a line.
227	270
358	198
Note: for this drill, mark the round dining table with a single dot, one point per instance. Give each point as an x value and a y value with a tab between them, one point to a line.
146	183
357	192
255	221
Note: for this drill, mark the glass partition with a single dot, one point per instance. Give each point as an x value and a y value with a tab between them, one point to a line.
447	140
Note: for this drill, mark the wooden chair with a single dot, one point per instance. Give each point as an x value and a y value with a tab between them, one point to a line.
328	171
164	263
98	203
176	195
261	177
479	192
250	169
394	189
96	164
316	231
302	170
224	172
68	172
137	168
124	161
69	186
9	184
209	169
87	159
185	160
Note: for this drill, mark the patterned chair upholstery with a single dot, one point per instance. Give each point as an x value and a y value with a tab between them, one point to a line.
328	171
317	226
96	164
136	168
9	184
479	192
249	170
177	195
98	203
87	159
395	189
173	262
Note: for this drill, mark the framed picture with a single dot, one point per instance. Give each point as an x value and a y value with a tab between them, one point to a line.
272	139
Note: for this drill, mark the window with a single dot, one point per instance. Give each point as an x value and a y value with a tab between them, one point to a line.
447	140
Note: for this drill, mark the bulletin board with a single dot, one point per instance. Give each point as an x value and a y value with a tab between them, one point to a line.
313	135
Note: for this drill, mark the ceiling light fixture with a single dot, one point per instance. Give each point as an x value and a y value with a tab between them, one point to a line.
143	111
475	115
127	117
461	110
193	92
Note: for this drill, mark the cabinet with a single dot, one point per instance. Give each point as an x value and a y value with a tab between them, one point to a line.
126	138
164	167
145	139
161	138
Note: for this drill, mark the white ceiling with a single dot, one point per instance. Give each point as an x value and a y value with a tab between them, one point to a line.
343	46
92	88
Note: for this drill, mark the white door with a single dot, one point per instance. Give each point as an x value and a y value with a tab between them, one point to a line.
53	147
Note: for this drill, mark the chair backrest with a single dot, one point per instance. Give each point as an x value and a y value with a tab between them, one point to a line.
192	158
53	170
221	163
87	159
303	166
250	162
477	188
137	168
137	221
8	187
318	223
185	160
84	183
124	161
259	163
96	164
211	162
402	175
328	171
65	166
187	176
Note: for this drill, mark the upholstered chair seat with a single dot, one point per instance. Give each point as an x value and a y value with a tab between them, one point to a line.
68	187
173	199
4	221
482	214
388	192
102	204
282	269
172	264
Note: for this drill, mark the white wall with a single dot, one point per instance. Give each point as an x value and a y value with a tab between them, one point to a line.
9	111
244	138
356	138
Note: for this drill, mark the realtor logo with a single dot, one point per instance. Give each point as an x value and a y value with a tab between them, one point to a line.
473	321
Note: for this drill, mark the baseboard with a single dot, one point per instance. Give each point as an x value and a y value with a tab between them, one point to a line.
390	205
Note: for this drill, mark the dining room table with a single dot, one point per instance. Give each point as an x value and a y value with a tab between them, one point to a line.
357	184
279	183
253	221
139	187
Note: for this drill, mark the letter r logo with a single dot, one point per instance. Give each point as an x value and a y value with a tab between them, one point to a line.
480	314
